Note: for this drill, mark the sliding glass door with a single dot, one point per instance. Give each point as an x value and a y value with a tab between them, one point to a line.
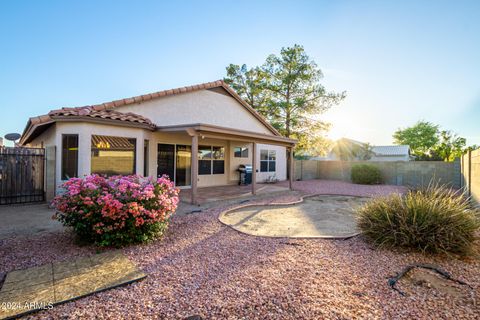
183	165
166	160
175	161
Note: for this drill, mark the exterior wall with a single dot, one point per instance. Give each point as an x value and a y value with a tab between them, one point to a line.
53	137
202	106
411	173
185	139
52	140
471	174
280	166
234	175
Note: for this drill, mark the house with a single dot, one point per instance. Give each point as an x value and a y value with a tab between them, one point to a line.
197	135
391	153
353	150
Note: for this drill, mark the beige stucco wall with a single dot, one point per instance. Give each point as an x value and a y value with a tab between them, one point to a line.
280	166
53	137
203	106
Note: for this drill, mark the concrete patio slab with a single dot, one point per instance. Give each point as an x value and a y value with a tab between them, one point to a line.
320	216
38	288
27	219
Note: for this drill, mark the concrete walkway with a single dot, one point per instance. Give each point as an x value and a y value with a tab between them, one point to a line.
27	219
322	216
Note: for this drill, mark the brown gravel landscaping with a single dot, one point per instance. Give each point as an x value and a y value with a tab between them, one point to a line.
204	267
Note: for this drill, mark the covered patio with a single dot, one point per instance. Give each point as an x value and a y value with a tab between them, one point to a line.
202	131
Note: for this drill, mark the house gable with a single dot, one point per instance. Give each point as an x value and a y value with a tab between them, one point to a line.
209	106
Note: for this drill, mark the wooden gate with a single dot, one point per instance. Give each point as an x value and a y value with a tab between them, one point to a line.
21	175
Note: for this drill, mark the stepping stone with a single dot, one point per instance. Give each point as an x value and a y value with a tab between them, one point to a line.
37	288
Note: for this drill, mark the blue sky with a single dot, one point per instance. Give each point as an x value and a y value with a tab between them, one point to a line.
399	61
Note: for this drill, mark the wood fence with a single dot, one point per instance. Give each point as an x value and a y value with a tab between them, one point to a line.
21	175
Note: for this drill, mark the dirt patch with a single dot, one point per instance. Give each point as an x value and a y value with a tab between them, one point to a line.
428	282
321	216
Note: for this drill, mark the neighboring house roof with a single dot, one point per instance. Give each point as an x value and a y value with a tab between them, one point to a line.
104	110
400	150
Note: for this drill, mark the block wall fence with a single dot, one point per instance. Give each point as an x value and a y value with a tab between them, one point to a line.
470	174
407	173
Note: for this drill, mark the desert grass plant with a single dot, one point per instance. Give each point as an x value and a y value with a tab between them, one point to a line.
436	219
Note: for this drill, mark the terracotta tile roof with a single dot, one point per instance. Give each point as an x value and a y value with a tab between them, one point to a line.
104	110
90	112
158	94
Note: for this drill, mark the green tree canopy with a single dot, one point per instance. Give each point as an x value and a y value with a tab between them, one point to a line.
286	90
450	146
428	142
250	84
421	137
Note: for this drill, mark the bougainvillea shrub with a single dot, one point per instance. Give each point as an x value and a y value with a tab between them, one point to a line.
117	211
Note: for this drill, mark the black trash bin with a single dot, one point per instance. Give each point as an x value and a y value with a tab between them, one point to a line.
245	171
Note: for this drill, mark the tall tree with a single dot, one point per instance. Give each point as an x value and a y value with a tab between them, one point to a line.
421	137
250	84
287	90
296	96
450	146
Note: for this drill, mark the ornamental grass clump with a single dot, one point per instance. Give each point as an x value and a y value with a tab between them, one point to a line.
116	211
435	219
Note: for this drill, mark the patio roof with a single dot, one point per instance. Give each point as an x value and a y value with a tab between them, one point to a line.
224	133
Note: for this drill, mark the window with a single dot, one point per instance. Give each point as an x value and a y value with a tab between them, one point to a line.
113	155
145	158
204	160
268	160
69	156
240	152
211	160
218	166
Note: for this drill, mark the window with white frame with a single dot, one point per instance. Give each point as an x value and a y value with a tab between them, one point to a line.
211	160
268	160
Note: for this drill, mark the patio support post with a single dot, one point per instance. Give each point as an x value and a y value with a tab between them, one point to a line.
194	168
254	168
292	169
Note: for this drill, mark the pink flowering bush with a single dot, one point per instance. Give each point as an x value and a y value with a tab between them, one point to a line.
117	211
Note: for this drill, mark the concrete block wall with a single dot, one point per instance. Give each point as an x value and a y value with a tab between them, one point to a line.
407	173
470	179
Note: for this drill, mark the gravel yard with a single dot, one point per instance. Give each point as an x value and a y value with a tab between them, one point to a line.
204	267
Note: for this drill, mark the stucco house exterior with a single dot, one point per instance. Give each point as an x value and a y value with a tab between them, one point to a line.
198	135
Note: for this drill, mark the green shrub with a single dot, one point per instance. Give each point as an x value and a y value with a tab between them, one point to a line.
366	174
435	219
